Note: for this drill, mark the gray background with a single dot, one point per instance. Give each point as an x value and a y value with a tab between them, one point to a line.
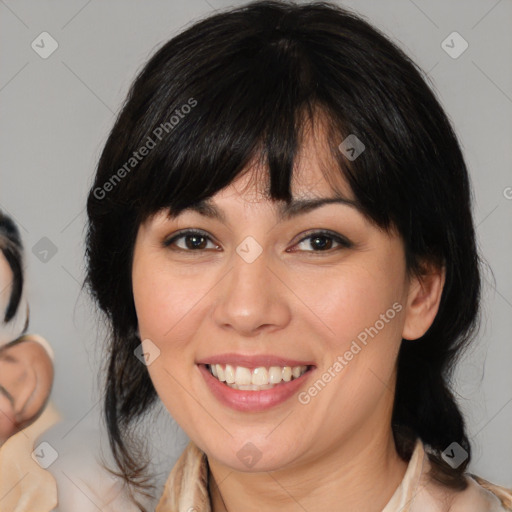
56	113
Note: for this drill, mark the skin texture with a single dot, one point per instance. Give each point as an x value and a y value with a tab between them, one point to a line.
292	301
26	376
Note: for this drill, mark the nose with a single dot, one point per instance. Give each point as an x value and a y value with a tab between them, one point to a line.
252	298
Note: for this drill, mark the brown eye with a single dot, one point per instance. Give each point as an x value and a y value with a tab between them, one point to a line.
322	241
190	241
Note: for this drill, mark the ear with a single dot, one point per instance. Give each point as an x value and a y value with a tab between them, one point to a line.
26	378
423	301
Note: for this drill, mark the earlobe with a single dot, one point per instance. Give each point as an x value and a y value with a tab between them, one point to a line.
423	301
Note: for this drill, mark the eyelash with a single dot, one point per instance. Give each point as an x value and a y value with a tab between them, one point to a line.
343	242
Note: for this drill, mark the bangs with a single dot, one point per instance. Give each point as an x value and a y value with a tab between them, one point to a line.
251	105
207	108
255	112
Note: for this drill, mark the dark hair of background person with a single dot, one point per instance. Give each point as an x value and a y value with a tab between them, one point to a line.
258	74
12	248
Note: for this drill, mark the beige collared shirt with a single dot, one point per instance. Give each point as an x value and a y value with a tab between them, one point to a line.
186	489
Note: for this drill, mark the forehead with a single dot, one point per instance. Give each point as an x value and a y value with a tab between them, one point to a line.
244	194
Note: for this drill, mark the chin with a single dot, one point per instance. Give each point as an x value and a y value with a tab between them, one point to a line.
254	455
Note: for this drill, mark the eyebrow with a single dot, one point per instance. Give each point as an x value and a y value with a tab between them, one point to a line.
286	211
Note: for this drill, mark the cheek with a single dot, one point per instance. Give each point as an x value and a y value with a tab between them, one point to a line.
362	307
168	306
349	302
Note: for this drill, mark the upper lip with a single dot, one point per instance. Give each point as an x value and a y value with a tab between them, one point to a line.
253	361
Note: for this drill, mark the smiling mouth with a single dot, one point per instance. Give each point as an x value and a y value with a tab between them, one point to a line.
256	379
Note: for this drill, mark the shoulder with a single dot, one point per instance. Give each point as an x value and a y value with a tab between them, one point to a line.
478	496
484	487
419	491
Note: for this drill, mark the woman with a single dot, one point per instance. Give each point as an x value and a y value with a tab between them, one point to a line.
280	237
26	378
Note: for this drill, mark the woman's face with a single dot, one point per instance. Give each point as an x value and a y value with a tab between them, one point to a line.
255	290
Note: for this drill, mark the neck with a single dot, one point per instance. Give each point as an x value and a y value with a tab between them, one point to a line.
362	474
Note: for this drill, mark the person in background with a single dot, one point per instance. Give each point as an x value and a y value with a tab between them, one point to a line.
45	465
26	378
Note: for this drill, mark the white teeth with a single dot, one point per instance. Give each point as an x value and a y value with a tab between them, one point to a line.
229	372
242	376
259	376
251	387
239	377
296	371
275	374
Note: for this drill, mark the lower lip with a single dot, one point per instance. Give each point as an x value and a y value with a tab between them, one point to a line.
252	401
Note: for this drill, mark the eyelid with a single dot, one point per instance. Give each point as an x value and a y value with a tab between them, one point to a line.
343	241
